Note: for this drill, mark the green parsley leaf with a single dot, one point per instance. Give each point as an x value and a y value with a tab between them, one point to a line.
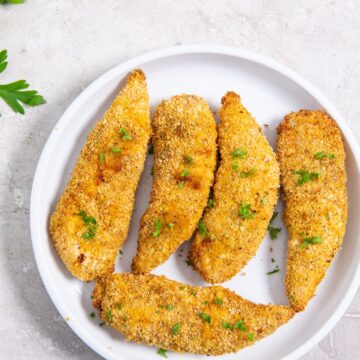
157	228
251	336
202	228
245	174
120	252
13	95
162	352
226	325
124	134
116	150
119	306
306	176
210	203
239	153
240	325
272	260
321	155
3	62
91	224
102	157
169	307
92	314
205	302
109	315
218	301
193	292
273	272
205	317
274	215
310	241
181	184
274	232
235	165
185	173
189	159
176	328
245	211
11	1
170	226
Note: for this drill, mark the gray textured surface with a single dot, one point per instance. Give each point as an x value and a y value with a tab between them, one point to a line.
61	46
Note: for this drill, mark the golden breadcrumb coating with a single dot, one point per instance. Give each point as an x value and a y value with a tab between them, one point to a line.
184	139
91	220
309	142
245	193
203	320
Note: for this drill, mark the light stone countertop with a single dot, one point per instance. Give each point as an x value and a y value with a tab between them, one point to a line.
61	46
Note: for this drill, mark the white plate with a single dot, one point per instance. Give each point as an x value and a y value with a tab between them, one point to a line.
269	90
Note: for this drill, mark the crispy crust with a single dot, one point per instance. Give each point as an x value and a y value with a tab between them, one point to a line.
104	189
135	305
230	241
316	208
183	126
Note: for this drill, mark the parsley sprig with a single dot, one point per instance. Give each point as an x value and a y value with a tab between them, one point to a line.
91	224
245	211
310	241
321	155
274	231
14	93
306	176
11	2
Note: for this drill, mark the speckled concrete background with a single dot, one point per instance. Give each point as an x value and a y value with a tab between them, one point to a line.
61	46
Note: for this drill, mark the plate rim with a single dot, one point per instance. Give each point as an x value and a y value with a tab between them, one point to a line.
240	53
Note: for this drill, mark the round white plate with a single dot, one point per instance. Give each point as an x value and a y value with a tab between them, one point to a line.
270	91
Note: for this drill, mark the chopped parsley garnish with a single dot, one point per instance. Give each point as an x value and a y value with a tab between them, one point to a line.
14	93
306	176
109	315
102	157
264	200
162	352
272	260
157	228
124	134
251	336
170	226
210	203
235	165
321	155
120	252
176	328
11	2
169	307
91	224
205	317
273	272
202	228
245	174
185	173
181	184
193	292
239	153
274	232
240	325
310	241
119	306
226	325
115	150
218	301
245	211
92	314
205	302
189	159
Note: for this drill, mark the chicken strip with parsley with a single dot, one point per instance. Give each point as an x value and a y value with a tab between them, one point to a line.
91	220
184	139
313	177
245	193
157	311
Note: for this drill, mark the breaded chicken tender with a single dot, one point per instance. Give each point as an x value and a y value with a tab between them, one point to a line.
312	163
245	193
91	220
184	139
157	311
